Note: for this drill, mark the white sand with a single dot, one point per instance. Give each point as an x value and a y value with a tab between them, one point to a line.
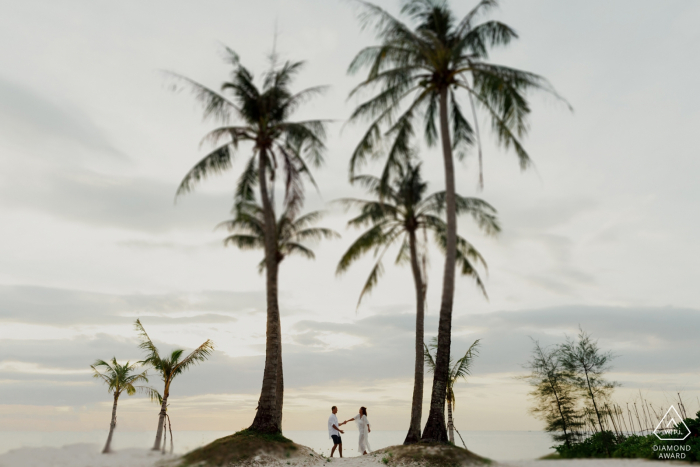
81	455
88	455
581	463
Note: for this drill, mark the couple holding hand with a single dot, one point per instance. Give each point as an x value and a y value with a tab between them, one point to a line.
334	431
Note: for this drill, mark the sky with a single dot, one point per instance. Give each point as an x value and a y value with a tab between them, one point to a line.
93	144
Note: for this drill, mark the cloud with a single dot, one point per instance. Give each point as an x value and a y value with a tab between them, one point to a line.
647	342
31	119
132	203
63	307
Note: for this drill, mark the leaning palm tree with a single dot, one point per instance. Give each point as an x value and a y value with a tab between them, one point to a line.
425	71
400	213
460	369
120	378
168	368
263	122
292	233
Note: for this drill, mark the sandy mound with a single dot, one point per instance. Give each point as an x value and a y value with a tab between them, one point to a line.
428	455
250	449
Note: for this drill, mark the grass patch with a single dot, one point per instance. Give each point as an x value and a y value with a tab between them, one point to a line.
550	457
430	455
239	447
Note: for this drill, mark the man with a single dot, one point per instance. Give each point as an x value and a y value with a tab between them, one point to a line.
334	432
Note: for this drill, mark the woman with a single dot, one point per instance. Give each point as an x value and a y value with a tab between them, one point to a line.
364	430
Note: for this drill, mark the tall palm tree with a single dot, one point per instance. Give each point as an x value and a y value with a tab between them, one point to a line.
460	369
421	72
399	214
263	122
120	378
292	233
168	367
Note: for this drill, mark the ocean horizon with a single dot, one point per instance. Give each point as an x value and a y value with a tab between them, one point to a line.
495	445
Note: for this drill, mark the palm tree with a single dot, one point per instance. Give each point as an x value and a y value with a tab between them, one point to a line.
417	73
120	378
249	225
169	367
460	369
263	116
397	217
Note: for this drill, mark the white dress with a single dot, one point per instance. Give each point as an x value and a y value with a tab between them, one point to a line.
362	427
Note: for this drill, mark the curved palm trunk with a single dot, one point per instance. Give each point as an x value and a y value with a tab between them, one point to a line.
450	423
279	390
435	426
267	419
112	425
161	420
413	435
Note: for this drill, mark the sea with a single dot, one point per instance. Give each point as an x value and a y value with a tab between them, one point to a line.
495	445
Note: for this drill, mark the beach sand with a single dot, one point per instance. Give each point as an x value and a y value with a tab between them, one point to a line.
88	455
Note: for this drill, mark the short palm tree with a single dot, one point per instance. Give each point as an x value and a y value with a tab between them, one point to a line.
397	216
292	232
120	378
460	369
419	73
263	116
168	368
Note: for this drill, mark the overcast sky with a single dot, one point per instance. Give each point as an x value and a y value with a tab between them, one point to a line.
93	144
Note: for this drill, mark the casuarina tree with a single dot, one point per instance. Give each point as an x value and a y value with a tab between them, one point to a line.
555	397
587	364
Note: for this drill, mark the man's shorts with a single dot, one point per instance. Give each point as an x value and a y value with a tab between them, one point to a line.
336	439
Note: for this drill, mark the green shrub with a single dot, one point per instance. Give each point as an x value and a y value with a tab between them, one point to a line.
601	444
635	446
607	444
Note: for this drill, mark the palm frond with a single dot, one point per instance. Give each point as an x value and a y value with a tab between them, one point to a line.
215	162
199	355
214	104
429	359
298	248
146	343
366	242
153	394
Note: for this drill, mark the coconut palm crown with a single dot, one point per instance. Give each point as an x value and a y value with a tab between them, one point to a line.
119	379
460	369
401	211
168	367
293	233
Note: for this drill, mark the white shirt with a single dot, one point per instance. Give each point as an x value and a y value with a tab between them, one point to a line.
332	420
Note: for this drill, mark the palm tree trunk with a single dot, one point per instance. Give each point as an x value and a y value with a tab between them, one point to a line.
161	420
267	420
279	390
435	427
112	425
450	423
413	435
